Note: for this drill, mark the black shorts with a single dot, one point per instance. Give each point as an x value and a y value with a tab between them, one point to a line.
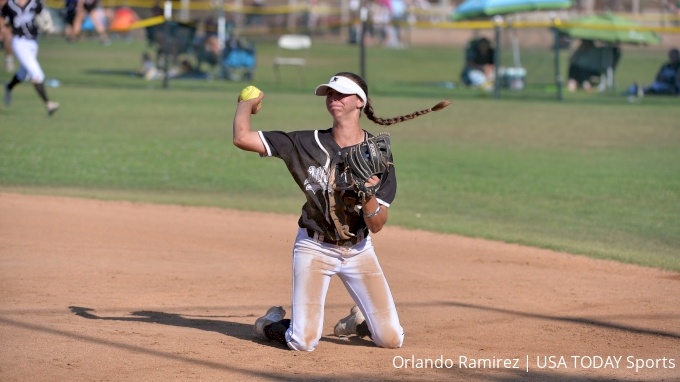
90	5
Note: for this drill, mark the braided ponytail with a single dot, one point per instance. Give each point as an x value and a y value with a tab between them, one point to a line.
368	110
370	113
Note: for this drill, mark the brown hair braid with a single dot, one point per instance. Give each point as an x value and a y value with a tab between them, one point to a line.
368	108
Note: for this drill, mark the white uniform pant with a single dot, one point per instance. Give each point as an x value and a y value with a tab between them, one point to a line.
313	265
26	51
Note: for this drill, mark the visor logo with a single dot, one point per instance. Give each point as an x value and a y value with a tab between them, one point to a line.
334	79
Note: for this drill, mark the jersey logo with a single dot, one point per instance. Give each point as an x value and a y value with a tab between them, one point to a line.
317	179
24	19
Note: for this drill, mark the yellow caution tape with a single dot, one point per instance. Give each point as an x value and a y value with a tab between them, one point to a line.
146	23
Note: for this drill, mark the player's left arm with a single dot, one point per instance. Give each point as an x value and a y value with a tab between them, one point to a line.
383	198
377	222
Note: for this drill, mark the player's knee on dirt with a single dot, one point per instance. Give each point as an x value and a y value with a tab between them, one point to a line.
389	338
302	342
303	345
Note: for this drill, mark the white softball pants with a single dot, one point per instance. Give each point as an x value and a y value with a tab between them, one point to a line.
313	265
26	51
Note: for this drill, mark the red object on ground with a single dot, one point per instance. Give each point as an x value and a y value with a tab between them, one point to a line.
123	19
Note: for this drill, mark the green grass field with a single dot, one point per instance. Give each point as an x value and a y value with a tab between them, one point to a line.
591	175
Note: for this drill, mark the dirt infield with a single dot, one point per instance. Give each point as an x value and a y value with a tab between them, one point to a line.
95	290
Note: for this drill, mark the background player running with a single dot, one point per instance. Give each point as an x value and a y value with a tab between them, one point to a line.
333	237
76	11
21	15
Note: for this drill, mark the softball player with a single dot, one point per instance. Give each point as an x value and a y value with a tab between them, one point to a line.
313	158
75	17
21	15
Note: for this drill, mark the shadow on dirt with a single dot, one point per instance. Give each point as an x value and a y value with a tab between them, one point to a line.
351	341
229	328
241	371
232	329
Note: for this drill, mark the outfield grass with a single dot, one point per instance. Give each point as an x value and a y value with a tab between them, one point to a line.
593	175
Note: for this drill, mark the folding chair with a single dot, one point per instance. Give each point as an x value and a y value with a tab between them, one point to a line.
291	42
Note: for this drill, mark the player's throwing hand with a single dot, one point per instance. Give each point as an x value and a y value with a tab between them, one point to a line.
252	97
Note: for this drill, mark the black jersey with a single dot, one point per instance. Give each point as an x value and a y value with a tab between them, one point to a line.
22	19
310	156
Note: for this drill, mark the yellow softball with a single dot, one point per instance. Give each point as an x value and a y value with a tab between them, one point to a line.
250	92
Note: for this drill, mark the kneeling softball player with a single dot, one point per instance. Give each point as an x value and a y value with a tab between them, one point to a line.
349	181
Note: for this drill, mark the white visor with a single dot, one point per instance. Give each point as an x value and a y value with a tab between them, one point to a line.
342	85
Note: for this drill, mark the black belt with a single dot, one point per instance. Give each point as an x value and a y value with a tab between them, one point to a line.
319	237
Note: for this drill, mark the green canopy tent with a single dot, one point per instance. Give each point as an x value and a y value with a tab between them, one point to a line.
609	28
